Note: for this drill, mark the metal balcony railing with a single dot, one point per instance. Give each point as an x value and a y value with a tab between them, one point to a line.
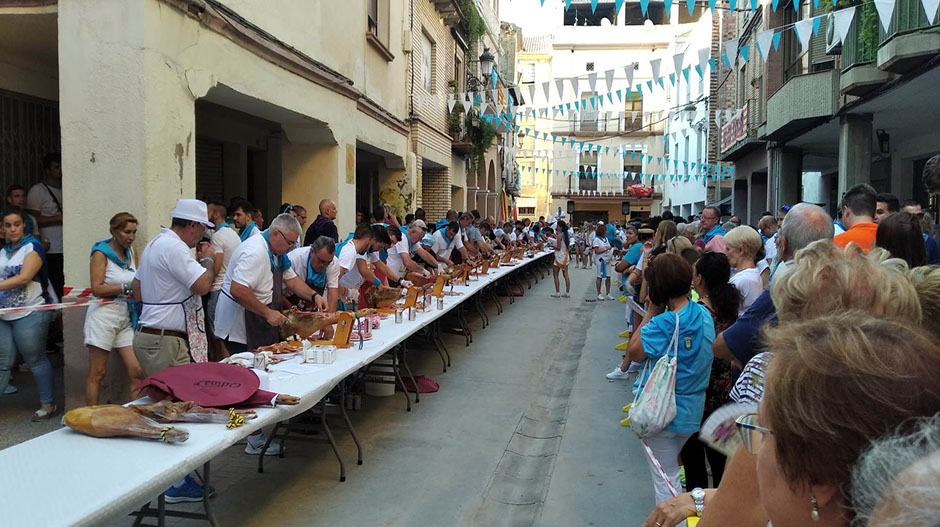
866	34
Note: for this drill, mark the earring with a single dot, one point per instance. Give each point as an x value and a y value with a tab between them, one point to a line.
815	512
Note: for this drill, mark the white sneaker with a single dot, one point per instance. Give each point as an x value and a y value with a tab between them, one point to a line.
618	374
565	295
610	297
555	295
600	297
253	446
635	367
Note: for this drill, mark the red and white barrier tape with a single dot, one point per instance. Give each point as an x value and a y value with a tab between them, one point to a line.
84	299
662	473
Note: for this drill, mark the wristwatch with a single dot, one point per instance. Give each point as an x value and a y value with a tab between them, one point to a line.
698	496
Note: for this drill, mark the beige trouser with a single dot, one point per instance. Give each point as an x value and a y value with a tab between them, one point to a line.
156	352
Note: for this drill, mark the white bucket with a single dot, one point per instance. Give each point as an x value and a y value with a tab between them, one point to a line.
380	389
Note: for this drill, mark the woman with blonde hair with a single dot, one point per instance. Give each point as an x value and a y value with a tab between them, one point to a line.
665	231
111	326
836	383
742	246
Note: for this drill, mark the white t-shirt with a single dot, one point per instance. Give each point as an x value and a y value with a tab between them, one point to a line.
749	285
114	274
442	248
394	261
600	242
28	295
348	260
770	248
167	271
250	266
298	263
39	198
224	241
512	237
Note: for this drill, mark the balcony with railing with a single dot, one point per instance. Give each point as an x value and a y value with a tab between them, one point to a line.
604	123
741	134
870	54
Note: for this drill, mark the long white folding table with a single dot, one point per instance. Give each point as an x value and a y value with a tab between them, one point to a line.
67	478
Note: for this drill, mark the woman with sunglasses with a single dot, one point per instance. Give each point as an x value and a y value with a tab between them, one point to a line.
831	391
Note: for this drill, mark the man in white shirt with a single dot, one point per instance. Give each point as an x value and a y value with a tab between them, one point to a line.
242	213
249	311
401	255
44	202
445	241
768	230
223	243
318	267
168	282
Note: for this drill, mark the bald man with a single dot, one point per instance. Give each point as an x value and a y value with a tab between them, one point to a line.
323	225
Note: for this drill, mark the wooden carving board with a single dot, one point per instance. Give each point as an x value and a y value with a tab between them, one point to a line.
341	337
438	290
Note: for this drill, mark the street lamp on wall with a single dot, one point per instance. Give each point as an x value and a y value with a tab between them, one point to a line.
486	63
884	141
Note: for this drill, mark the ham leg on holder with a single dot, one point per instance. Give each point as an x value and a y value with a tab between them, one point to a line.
382	296
112	420
305	323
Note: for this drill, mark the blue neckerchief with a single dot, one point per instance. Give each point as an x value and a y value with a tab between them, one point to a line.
315	279
246	232
11	249
446	239
127	264
278	263
221	225
105	248
29	224
441	223
925	236
715	231
838	223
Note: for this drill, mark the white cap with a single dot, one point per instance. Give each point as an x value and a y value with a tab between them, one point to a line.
192	210
600	222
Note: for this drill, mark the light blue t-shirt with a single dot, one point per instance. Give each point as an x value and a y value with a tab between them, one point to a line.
696	333
634	253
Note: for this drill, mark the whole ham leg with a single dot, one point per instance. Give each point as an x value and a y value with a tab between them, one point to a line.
112	420
305	323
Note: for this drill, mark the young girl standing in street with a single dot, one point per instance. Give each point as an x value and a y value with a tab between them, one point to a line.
562	257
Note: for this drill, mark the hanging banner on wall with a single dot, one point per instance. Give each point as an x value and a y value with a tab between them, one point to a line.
734	130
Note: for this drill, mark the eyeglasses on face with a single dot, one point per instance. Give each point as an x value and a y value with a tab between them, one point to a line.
286	239
752	434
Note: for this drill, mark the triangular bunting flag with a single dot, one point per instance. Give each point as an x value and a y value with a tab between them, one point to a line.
885	11
592	81
731	51
574	85
451	102
531	99
930	7
546	87
567	4
609	77
777	41
644	4
678	60
804	30
668	5
649	84
466	104
745	53
842	19
685	73
816	23
593	6
691	5
628	71
560	88
655	65
765	40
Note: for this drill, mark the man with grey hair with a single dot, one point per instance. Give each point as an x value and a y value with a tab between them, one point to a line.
249	311
767	227
318	267
805	224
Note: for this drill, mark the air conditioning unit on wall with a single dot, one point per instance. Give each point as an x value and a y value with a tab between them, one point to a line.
833	43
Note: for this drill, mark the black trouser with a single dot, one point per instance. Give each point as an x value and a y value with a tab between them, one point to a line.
56	266
693	456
